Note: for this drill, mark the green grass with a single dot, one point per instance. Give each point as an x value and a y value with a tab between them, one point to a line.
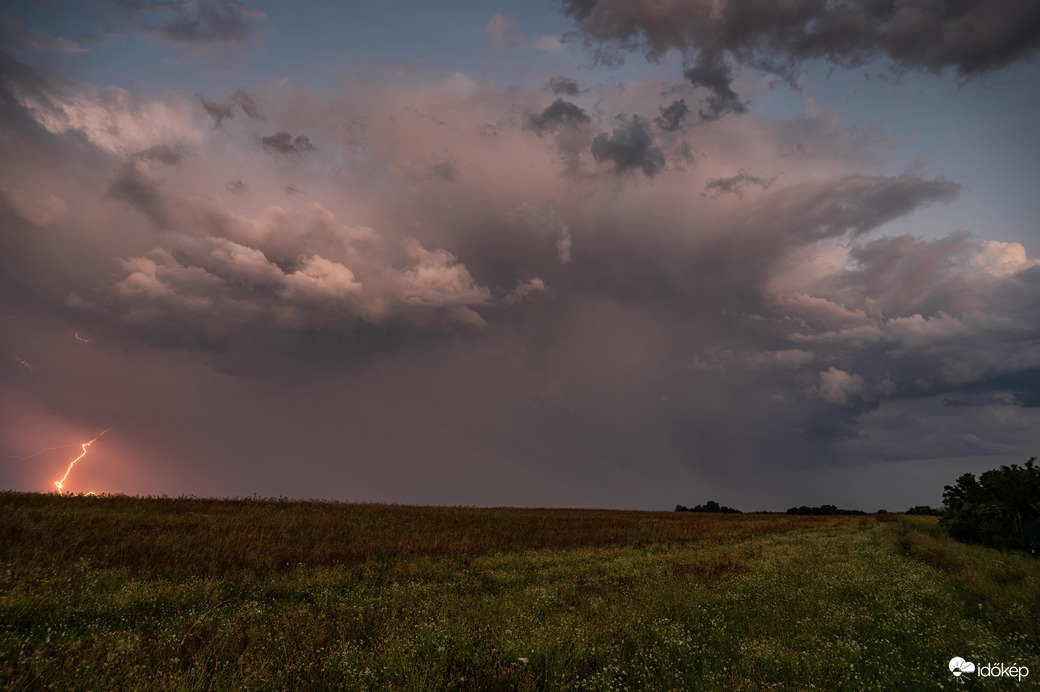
123	593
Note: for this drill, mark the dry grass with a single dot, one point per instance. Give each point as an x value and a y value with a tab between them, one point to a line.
187	594
206	537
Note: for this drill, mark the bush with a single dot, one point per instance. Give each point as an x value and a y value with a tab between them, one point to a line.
991	510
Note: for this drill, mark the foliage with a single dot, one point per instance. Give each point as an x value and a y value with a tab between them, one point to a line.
924	511
711	507
822	510
989	510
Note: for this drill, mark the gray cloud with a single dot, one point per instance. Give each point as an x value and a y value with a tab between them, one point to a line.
563	86
243	100
734	185
629	147
236	187
171	155
712	72
225	111
137	185
194	23
38	40
672	115
606	340
446	171
218	111
558	114
285	144
972	37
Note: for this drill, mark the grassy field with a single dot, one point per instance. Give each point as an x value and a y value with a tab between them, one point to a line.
124	593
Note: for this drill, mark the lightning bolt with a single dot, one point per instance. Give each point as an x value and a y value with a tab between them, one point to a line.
36	454
80	338
60	485
23	362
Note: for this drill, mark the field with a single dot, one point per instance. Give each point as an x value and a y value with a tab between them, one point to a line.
154	594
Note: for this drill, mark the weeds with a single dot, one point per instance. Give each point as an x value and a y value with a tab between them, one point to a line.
204	594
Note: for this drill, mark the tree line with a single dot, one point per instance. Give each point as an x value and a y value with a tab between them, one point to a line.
999	509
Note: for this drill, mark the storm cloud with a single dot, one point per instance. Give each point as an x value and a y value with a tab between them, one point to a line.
504	296
629	147
970	38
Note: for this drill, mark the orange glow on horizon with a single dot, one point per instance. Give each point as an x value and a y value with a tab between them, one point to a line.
60	485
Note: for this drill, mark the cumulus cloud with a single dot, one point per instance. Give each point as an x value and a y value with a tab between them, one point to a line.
839	387
205	288
610	319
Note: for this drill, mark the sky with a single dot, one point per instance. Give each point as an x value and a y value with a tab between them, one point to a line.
586	253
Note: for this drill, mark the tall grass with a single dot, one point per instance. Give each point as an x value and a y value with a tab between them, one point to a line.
121	593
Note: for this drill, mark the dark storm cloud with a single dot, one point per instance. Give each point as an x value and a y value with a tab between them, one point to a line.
558	114
971	37
629	147
609	339
563	86
672	116
194	23
285	144
734	185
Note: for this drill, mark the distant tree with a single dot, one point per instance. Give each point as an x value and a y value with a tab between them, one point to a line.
924	510
711	506
993	509
822	510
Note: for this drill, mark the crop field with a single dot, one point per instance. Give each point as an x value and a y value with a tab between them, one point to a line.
169	594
